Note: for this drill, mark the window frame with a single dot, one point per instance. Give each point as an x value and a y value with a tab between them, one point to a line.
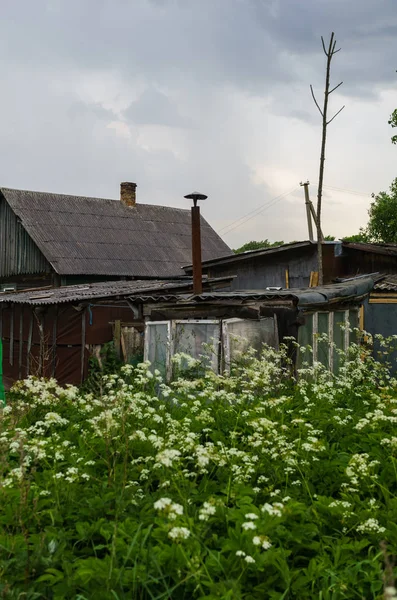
218	322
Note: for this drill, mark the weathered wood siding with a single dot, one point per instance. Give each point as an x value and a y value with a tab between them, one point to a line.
18	253
259	272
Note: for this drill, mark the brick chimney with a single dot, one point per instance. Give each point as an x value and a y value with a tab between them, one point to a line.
128	193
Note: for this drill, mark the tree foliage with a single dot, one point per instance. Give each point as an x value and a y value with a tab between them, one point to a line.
393	123
253	245
382	224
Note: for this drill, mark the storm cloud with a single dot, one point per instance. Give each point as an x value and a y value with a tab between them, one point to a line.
213	95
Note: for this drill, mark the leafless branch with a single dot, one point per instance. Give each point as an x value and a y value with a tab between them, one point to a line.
338	50
335	88
322	41
315	101
339	111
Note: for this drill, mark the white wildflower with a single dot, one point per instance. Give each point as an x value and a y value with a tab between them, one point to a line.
179	533
249	559
248	525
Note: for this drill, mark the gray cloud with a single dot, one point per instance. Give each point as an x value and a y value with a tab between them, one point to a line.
154	108
89	86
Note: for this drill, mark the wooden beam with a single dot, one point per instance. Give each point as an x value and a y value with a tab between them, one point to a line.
287	278
383	300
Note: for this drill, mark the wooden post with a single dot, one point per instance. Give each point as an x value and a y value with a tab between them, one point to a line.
54	341
29	348
11	361
308	212
287	278
83	326
20	343
117	338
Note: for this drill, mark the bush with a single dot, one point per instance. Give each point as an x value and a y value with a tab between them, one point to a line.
210	487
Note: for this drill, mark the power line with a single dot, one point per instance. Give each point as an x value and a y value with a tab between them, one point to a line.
254	213
354	192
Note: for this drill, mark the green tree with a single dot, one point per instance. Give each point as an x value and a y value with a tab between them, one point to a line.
357	237
253	245
382	224
393	123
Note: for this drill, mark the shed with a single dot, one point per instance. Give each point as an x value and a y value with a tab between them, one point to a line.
53	332
184	322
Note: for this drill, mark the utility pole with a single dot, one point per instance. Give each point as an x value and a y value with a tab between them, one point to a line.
308	212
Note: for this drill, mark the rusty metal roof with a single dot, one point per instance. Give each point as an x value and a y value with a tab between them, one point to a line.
93	236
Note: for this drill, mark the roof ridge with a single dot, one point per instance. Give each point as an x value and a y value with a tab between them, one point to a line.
93	198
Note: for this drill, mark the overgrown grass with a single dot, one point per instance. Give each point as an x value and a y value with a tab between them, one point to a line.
212	487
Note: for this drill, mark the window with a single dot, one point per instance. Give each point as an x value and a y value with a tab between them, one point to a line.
241	334
209	340
335	325
157	346
198	338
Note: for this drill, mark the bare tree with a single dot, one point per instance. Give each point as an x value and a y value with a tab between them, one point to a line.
329	53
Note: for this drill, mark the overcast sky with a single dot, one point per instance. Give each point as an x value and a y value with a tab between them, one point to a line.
207	95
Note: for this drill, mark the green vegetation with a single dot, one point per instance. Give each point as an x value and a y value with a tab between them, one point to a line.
393	122
242	487
257	246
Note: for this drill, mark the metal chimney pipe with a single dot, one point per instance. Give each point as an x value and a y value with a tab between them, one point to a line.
196	242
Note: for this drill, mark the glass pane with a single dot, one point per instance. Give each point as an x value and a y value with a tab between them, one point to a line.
199	340
158	344
246	334
353	320
323	345
339	337
305	338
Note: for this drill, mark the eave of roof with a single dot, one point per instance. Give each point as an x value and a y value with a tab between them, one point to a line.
304	298
384	249
253	254
105	289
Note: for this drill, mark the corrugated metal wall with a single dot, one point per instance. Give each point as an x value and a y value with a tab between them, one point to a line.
18	253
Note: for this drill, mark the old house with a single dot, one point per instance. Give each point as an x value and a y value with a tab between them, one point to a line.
53	239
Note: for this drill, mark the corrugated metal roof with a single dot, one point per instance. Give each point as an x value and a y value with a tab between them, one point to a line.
386	249
105	289
89	291
387	284
93	236
232	258
304	297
